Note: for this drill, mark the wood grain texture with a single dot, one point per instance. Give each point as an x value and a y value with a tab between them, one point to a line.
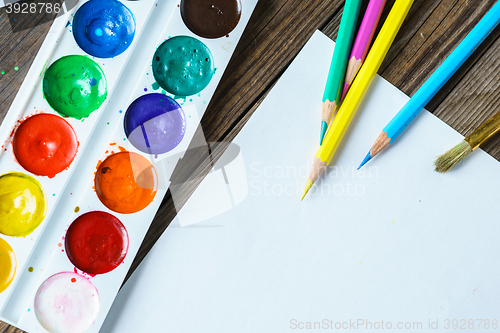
16	50
4	328
449	27
277	31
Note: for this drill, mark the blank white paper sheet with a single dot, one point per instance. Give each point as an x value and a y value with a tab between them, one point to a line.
392	246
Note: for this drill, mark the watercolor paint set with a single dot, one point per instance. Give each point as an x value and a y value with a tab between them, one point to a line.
107	109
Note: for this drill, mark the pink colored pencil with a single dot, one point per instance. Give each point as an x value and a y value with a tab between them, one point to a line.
363	41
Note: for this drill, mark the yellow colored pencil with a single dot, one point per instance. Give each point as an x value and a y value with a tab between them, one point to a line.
358	90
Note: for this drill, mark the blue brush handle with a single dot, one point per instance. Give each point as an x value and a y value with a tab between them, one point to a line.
443	73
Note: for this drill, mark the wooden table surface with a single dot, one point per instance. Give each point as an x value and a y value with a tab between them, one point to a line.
275	34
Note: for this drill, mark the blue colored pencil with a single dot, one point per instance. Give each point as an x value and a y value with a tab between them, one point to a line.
437	80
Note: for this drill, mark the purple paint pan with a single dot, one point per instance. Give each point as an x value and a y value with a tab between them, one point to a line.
155	123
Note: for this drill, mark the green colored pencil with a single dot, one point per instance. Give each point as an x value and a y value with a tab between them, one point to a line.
335	81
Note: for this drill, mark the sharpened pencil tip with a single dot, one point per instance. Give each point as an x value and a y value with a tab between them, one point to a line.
308	187
324	127
367	158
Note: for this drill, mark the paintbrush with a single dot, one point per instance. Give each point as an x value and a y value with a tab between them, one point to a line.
456	154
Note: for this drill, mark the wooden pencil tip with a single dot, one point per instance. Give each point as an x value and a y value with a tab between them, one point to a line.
308	187
324	127
382	142
449	159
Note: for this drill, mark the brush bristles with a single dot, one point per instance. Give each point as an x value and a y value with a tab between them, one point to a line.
449	159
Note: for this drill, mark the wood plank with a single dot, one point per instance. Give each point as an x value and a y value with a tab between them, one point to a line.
414	66
399	68
5	328
419	13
